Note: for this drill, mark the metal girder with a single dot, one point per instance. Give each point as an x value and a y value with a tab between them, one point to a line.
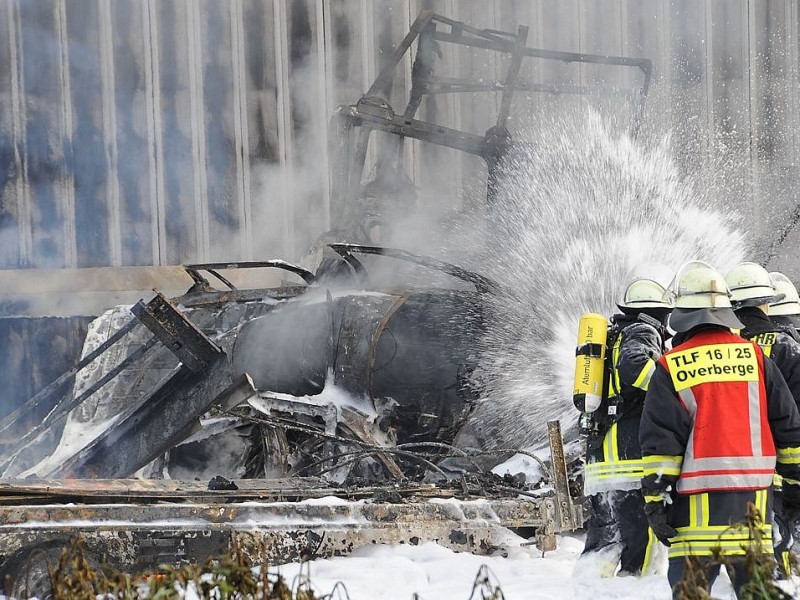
569	515
386	75
46	395
126	534
379	117
182	337
511	76
164	420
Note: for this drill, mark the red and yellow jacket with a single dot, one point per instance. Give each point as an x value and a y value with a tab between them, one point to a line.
717	417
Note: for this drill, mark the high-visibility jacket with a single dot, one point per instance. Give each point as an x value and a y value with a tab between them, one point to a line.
717	416
616	463
787	324
779	345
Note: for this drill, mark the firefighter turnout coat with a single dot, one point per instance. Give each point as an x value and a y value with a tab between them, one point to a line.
717	417
779	345
614	458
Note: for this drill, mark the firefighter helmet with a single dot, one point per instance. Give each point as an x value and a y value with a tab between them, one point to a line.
790	303
701	298
645	294
750	285
699	285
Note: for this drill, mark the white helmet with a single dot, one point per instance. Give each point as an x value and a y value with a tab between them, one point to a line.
699	285
750	285
645	293
790	304
701	298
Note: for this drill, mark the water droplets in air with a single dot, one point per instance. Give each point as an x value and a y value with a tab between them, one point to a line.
579	209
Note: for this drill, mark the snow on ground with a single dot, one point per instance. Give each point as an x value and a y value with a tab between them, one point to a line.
432	572
435	573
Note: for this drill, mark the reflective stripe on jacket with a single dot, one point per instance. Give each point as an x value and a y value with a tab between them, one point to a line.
616	464
609	467
703	522
719	379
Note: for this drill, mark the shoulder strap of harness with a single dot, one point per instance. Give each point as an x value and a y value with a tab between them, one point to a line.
614	333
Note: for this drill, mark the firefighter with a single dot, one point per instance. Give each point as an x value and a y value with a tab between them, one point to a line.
717	416
785	313
617	531
752	293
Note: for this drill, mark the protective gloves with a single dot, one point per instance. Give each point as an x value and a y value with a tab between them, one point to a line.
657	518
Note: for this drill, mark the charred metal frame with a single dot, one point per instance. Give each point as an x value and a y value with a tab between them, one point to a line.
346	251
176	332
213	268
146	435
373	112
9	423
124	521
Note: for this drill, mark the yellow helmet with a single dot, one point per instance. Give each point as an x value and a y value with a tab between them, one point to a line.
750	285
645	293
790	303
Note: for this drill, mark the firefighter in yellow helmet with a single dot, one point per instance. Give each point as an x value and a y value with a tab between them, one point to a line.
785	313
617	530
717	419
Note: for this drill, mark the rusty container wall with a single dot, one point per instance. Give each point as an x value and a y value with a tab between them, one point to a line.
159	133
155	133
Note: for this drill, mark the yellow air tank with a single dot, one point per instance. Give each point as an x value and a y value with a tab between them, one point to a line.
589	362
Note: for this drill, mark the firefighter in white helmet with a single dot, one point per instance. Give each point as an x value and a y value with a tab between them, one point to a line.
785	313
617	530
752	293
717	418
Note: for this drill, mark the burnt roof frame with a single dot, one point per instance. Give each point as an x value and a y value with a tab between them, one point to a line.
346	250
193	270
499	41
373	111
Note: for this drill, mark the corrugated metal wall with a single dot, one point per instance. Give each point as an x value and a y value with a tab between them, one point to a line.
153	132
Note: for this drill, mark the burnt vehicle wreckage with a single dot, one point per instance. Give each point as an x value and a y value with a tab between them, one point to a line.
329	386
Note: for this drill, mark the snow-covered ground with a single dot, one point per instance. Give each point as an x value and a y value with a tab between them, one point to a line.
433	572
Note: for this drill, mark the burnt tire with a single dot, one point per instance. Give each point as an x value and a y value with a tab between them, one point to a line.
26	574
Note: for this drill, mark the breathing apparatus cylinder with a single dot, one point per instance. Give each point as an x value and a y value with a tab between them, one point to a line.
590	355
